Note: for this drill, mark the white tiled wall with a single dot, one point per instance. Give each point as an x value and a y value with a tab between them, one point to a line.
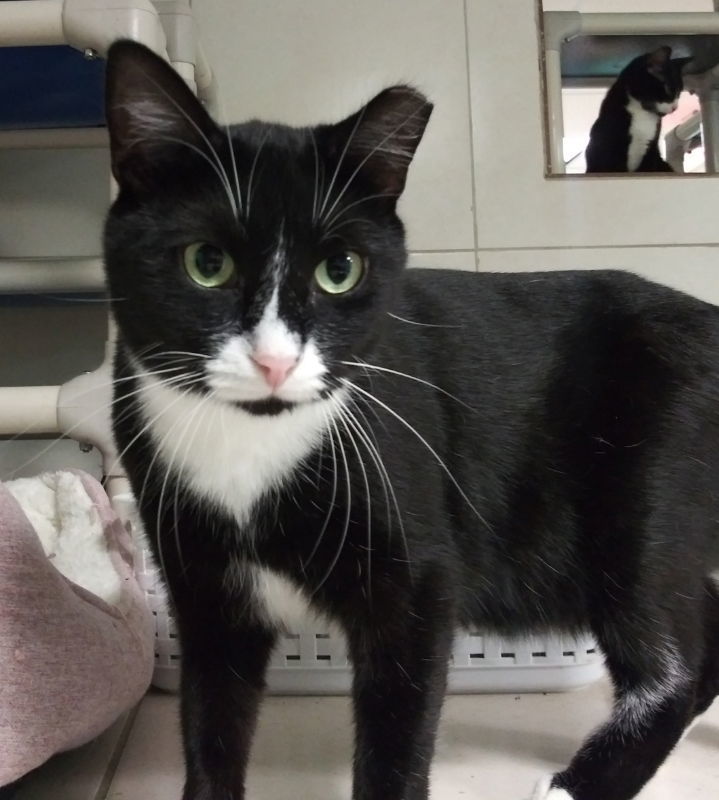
517	206
477	194
307	62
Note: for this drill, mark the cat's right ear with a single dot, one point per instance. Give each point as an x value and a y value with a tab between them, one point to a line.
152	115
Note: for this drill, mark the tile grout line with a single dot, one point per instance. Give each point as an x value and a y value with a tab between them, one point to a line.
471	137
117	753
537	248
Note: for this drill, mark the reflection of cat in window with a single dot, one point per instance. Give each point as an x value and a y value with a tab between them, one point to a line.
625	136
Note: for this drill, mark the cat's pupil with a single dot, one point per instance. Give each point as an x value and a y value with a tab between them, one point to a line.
209	260
339	267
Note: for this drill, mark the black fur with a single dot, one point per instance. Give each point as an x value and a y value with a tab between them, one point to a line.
650	79
578	423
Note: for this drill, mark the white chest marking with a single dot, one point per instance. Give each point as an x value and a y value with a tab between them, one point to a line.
642	130
226	455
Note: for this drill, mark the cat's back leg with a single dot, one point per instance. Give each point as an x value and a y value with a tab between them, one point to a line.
707	687
653	663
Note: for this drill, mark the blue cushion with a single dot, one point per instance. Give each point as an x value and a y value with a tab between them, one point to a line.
50	87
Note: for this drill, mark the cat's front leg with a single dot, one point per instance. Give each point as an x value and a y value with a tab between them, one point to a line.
399	685
223	669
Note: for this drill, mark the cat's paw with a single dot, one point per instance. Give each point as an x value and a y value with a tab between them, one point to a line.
545	791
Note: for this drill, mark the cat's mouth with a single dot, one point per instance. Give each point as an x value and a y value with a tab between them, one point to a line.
263	379
273	405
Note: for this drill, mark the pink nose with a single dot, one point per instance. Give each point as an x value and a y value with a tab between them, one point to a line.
275	369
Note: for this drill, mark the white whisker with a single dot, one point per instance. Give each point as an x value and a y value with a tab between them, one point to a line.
333	232
205	139
387	486
343	418
369	155
147	427
234	167
251	177
315	196
67	433
420	324
331	507
429	447
221	174
178	473
360	363
328	223
343	538
338	166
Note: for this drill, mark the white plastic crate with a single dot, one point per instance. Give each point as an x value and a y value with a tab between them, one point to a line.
314	660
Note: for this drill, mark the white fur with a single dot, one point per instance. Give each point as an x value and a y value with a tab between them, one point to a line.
70	531
642	130
232	458
272	336
276	600
543	791
279	601
227	455
633	708
667	108
236	378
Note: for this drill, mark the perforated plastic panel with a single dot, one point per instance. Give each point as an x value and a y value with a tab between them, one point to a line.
314	660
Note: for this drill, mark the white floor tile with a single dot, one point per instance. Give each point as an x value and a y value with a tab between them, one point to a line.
490	747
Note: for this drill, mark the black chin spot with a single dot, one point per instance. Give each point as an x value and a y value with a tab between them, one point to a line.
269	407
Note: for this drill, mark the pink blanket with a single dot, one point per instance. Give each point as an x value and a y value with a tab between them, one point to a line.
70	664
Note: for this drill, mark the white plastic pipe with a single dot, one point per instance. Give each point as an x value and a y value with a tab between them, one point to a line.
676	140
555	115
650	24
84	410
95	24
30	276
31	23
205	80
54	139
559	26
28	410
709	102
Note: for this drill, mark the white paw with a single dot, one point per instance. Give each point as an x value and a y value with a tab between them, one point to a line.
544	791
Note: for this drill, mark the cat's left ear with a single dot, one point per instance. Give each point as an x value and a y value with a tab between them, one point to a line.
380	140
153	117
658	59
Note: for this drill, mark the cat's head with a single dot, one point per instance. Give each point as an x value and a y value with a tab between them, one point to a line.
253	261
655	80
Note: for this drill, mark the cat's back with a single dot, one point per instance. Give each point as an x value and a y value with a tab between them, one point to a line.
527	318
547	294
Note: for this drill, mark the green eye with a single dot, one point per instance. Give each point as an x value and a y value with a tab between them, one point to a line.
340	273
207	265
